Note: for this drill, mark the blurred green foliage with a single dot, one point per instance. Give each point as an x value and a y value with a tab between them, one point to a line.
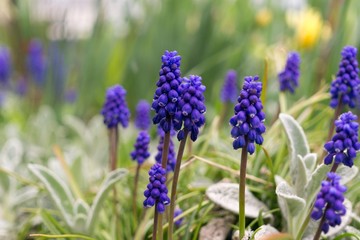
211	37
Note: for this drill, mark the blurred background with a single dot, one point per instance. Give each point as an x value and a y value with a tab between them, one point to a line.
65	53
58	57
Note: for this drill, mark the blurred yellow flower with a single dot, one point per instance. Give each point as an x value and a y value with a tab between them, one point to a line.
308	25
263	17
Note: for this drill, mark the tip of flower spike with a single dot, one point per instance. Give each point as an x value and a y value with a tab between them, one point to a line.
349	52
115	110
248	121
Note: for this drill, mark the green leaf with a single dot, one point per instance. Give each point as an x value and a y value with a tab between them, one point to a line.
346	173
81	212
226	195
81	207
51	223
11	154
310	161
112	178
313	186
59	192
298	143
302	178
290	204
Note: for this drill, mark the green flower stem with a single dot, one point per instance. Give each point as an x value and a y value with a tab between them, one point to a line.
164	159
136	183
113	140
242	190
50	236
113	144
174	184
155	224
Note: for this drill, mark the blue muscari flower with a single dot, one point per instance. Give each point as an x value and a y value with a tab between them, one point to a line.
344	144
156	192
142	119
191	107
329	201
289	78
36	64
229	91
177	212
141	152
171	155
5	65
167	93
248	121
115	109
347	79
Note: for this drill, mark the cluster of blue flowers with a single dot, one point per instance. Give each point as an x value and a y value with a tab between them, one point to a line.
142	120
5	65
289	78
167	94
156	192
229	91
344	144
248	121
36	64
191	107
115	108
141	152
344	88
329	202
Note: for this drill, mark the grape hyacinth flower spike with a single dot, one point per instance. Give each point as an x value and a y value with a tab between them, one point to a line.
188	119
115	109
115	112
141	152
228	95
247	129
36	63
142	120
343	88
167	93
289	78
156	192
229	91
5	65
329	205
343	146
165	104
248	121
